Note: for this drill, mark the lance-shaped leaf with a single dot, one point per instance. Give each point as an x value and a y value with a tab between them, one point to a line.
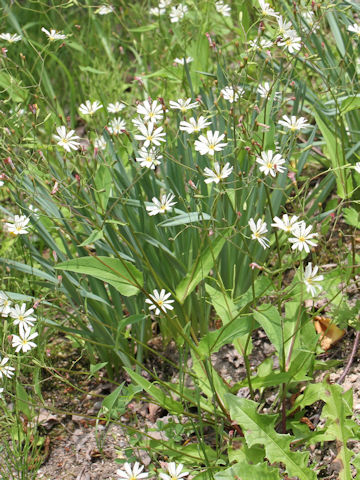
260	430
261	471
121	274
202	266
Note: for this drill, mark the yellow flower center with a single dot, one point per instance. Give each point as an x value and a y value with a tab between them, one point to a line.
211	146
21	318
302	239
150	138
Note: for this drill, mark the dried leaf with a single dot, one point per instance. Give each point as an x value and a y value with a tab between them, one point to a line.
329	332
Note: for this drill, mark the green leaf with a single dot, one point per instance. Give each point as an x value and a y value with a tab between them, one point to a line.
103	184
260	430
94	235
144	28
213	341
22	400
13	87
184	219
161	397
351	217
334	147
121	274
269	318
261	471
350	103
203	264
97	367
91	70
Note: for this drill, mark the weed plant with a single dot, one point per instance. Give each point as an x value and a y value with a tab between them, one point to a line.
189	170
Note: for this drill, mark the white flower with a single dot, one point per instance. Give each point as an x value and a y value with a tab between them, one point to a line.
100	143
175	472
19	225
149	158
302	237
266	10
151	111
231	94
161	206
6	370
264	44
89	108
150	134
265	90
357	167
177	13
286	223
159	301
311	280
1	392
11	38
194	125
210	144
117	126
138	122
355	28
183	105
22	317
181	61
4	305
258	231
292	42
23	341
1	183
223	8
308	16
132	473
104	10
157	11
284	26
66	140
33	211
164	3
218	173
270	163
294	124
115	107
53	34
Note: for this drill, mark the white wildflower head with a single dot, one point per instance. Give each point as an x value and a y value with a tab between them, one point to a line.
18	225
115	107
266	9
149	157
6	370
302	237
161	206
285	223
151	111
218	174
194	125
265	90
270	163
210	143
223	8
150	135
293	123
292	42
178	12
117	126
232	94
311	279
5	304
175	472
23	342
259	229
104	10
65	139
10	37
53	34
182	61
159	302
183	105
22	317
132	472
89	108
355	28
100	143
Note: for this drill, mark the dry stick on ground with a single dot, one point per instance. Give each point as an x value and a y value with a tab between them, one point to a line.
351	358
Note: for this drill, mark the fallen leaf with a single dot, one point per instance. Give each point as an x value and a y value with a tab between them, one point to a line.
329	332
